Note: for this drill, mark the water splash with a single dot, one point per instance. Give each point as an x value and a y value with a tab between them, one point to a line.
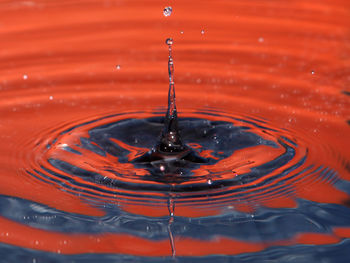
170	140
170	147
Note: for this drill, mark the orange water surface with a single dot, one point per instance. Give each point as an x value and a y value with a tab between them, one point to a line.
287	62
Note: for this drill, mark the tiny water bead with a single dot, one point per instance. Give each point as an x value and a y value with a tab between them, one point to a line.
167	11
169	42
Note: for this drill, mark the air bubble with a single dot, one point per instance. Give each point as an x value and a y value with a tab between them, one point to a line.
167	11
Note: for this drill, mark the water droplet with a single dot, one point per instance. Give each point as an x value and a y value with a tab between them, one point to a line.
169	41
162	168
25	76
117	67
261	39
181	32
312	72
51	98
167	11
209	181
202	31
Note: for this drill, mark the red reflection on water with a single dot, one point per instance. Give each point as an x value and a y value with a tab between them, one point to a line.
58	66
17	234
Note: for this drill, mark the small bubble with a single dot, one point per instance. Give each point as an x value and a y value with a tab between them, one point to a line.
117	67
25	76
162	168
312	72
261	39
181	32
209	181
202	31
167	11
51	98
169	41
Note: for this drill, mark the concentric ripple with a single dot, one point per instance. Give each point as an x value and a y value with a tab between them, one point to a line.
244	162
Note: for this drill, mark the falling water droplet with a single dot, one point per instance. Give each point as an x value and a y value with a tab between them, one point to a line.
167	11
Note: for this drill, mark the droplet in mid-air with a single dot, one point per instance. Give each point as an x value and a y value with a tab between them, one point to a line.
167	11
169	41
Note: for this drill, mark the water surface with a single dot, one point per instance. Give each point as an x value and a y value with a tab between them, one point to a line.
262	95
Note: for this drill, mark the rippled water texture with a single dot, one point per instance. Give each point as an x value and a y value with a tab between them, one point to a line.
263	101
